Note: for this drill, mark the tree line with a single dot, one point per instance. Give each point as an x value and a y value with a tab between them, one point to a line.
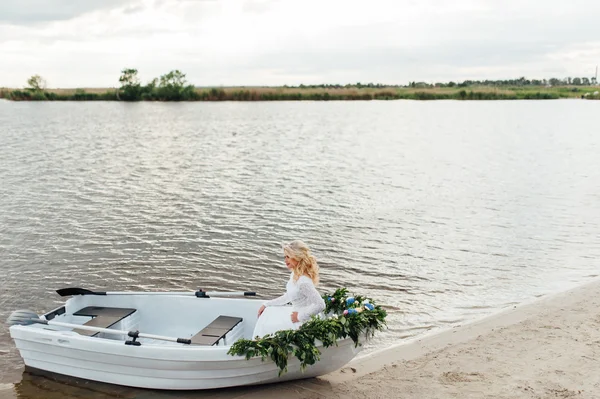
520	82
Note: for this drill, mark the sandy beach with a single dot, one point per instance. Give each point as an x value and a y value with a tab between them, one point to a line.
549	348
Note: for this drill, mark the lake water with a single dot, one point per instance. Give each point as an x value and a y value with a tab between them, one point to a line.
442	211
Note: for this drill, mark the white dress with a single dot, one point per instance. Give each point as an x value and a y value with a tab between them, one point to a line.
305	300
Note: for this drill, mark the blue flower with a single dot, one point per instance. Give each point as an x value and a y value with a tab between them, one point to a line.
350	301
352	311
369	306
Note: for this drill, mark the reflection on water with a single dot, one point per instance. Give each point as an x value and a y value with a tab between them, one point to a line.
39	384
443	211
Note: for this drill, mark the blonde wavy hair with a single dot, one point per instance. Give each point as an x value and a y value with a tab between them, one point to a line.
307	263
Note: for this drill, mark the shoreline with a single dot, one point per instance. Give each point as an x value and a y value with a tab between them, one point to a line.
451	363
545	347
285	93
436	340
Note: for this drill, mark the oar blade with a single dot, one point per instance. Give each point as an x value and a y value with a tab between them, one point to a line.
22	318
77	291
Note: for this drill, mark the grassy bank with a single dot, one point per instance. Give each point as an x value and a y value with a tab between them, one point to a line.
315	93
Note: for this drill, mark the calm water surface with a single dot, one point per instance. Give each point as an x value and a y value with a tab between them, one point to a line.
443	211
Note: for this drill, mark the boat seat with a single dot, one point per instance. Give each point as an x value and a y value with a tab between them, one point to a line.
216	330
101	317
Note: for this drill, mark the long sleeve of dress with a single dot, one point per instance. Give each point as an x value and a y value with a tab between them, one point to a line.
311	300
282	300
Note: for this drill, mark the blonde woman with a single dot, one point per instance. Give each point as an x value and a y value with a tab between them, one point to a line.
275	315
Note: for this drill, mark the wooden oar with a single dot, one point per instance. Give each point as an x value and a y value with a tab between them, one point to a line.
200	293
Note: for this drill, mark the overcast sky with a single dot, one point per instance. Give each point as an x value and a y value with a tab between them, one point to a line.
86	43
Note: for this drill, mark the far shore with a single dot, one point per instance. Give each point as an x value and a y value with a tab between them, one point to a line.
326	93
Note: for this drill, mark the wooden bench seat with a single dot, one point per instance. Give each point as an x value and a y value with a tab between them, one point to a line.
216	330
101	317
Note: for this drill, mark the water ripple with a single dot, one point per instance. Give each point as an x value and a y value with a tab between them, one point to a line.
443	211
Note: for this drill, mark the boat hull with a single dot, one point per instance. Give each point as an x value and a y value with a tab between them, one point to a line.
166	367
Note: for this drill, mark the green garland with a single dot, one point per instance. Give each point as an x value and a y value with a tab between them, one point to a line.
348	317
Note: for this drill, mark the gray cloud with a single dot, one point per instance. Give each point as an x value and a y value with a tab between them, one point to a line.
432	41
24	12
486	42
134	8
258	6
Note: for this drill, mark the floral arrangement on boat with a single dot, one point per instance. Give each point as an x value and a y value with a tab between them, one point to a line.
345	316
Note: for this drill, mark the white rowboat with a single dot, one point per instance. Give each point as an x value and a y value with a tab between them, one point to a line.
182	342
